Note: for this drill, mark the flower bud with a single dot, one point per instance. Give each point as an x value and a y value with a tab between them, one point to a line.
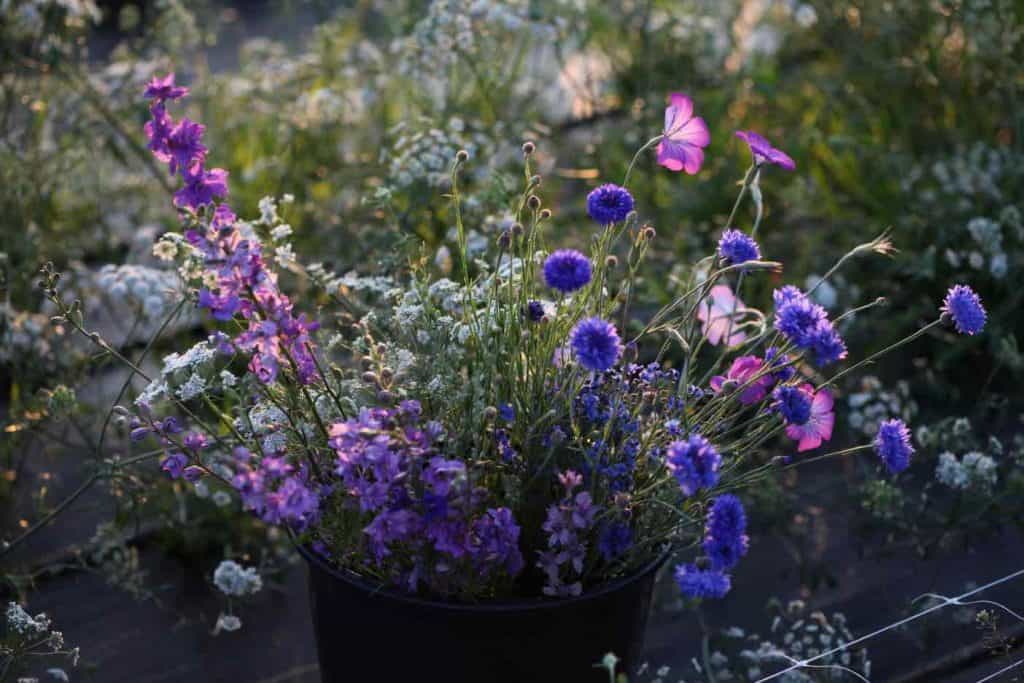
462	156
490	413
534	181
370	377
647	233
387	374
385	396
545	214
612	261
517	229
528	148
533	202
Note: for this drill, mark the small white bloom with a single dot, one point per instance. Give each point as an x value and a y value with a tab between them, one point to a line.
234	580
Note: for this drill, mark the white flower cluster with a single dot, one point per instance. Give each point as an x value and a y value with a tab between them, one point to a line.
234	580
25	624
427	153
152	291
873	403
182	373
974	470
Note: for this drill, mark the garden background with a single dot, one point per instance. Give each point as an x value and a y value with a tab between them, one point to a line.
901	115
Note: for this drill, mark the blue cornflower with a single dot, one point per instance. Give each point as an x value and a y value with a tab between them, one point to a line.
596	344
615	540
738	247
796	316
893	445
725	539
507	412
701	583
694	463
963	305
776	360
794	404
535	311
567	270
609	204
826	343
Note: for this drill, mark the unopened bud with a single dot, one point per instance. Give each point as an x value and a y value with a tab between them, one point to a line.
533	202
517	229
648	233
462	156
490	413
370	377
529	148
612	261
545	214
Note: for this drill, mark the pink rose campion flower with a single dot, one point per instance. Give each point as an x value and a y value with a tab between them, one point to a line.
744	369
764	152
684	136
819	427
715	312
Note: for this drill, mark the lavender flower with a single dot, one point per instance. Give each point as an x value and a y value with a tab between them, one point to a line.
567	270
963	305
174	464
737	247
893	445
160	89
596	344
609	204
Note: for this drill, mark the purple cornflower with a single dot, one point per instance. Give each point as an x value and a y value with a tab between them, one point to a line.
683	137
963	305
201	186
826	343
764	152
609	204
160	89
174	464
185	145
796	316
701	583
596	344
694	463
736	247
893	445
794	404
725	539
567	270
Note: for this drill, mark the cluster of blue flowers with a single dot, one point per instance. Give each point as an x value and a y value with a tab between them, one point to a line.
737	247
694	463
806	325
725	542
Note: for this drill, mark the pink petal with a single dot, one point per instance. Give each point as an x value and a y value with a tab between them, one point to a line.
808	443
670	157
694	160
693	132
679	110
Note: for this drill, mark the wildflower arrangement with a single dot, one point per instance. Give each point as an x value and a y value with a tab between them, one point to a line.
513	431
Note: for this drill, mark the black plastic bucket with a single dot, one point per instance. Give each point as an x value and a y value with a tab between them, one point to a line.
366	633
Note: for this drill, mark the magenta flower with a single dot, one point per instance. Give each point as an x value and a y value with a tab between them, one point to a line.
716	311
764	152
684	136
742	370
819	427
160	89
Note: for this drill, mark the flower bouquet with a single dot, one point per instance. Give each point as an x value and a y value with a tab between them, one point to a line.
504	458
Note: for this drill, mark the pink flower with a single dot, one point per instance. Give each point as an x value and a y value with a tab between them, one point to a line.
764	152
742	370
715	312
684	136
819	427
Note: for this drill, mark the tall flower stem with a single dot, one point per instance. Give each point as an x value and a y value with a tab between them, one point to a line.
636	157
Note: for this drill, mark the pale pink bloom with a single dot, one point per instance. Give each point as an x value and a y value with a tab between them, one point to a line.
684	136
819	427
715	312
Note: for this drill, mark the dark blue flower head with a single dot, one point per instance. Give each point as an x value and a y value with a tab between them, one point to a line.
701	583
893	445
737	247
694	463
609	204
567	270
963	305
794	404
725	539
826	343
535	311
596	344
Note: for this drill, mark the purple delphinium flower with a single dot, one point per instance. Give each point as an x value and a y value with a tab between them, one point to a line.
201	186
609	204
963	305
185	145
743	370
737	247
794	404
702	583
567	270
160	89
683	137
596	344
764	152
694	463
725	539
567	523
174	464
496	542
893	445
157	130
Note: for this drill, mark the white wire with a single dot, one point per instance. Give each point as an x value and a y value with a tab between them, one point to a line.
1001	671
901	622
